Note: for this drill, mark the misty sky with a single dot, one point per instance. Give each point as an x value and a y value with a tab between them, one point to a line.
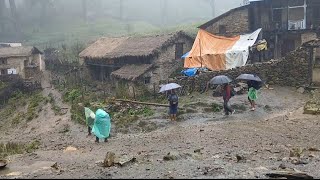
178	10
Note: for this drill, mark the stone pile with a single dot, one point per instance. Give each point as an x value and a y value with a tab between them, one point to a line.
292	70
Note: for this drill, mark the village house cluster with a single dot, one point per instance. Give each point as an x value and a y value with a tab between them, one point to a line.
146	61
25	61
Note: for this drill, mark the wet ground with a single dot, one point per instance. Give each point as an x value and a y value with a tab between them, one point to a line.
203	144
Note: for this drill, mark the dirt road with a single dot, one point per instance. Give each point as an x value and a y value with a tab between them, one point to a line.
202	144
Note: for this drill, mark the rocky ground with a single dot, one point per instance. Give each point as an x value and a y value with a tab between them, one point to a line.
202	144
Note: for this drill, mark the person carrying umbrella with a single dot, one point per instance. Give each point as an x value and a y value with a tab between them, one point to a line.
172	98
227	92
173	105
254	84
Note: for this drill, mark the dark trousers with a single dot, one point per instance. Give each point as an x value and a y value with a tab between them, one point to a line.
226	107
89	130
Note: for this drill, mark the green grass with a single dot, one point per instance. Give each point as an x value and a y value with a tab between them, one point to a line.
78	31
12	148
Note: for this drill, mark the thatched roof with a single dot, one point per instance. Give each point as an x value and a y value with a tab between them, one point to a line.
129	46
22	51
131	72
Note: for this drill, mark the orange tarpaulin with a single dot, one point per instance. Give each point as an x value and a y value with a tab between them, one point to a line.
209	51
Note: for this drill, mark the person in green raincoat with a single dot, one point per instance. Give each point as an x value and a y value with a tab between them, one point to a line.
252	94
90	116
102	125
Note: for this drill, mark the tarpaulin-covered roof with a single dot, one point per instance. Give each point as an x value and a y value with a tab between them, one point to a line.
218	52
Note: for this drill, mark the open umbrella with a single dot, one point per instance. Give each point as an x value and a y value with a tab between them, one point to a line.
222	79
249	77
169	86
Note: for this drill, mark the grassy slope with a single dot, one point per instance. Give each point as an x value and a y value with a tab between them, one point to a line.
58	34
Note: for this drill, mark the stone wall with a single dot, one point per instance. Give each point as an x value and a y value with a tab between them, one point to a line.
291	70
166	64
33	73
16	63
237	22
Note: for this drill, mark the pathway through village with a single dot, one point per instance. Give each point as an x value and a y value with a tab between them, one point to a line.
201	145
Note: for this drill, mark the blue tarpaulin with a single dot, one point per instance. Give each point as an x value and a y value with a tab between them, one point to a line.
190	72
185	55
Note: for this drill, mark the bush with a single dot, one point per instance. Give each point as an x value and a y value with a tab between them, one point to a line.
72	96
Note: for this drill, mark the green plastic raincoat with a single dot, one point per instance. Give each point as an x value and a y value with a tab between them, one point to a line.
102	124
252	94
90	116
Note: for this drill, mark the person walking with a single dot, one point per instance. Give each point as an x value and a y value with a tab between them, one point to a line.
173	105
227	94
252	93
102	125
90	116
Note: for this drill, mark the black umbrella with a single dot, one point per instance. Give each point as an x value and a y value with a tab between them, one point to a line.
249	77
222	79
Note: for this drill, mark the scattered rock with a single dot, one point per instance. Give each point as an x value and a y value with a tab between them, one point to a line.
313	149
261	168
296	152
109	159
70	149
299	161
198	150
240	158
124	160
282	166
216	156
285	159
55	166
300	90
171	156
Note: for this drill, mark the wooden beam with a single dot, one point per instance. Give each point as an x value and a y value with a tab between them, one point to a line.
144	103
289	175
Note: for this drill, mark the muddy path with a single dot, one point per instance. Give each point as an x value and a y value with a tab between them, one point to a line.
263	139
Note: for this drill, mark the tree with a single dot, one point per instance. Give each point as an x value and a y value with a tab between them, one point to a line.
164	12
2	15
121	10
213	7
84	10
212	4
14	15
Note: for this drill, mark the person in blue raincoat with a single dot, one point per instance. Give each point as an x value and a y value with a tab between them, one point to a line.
102	125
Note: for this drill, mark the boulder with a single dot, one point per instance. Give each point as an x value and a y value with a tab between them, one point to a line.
109	159
300	90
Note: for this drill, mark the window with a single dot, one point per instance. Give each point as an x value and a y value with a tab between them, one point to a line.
179	50
222	29
147	80
3	61
25	62
4	71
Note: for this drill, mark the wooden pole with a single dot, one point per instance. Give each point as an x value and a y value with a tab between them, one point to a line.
310	64
134	93
154	90
200	51
144	103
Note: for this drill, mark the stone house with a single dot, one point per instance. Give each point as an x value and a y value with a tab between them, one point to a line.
135	61
286	25
25	61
